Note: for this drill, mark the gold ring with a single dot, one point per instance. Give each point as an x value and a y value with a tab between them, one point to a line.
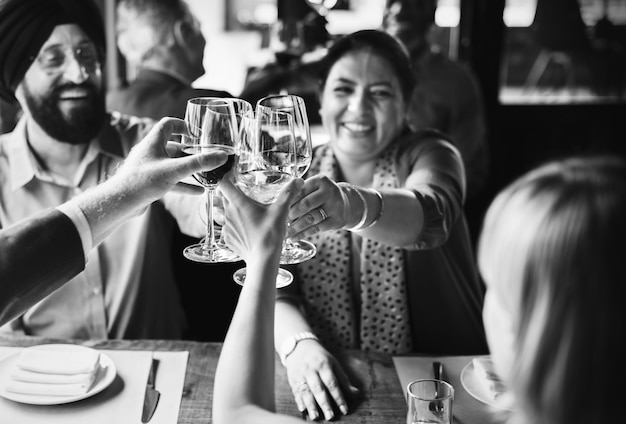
323	214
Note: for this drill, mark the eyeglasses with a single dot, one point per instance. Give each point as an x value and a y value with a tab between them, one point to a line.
56	58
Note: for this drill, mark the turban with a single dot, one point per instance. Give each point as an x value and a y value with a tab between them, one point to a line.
25	25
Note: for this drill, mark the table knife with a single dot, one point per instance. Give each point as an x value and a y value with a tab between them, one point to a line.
151	399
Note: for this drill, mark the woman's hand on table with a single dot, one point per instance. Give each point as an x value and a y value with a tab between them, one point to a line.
317	380
321	206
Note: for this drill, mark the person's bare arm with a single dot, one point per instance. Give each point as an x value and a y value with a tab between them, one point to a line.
244	379
419	213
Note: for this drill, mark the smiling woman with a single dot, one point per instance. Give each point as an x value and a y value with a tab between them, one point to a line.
355	101
393	245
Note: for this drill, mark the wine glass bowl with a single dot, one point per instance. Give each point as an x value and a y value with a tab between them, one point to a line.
294	105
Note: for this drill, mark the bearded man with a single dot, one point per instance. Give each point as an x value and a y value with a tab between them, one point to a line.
52	53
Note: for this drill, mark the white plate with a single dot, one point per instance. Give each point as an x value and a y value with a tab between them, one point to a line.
106	375
471	383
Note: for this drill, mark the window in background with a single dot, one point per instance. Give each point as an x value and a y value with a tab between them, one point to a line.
229	49
563	52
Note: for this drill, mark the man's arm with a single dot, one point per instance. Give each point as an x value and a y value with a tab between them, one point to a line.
40	254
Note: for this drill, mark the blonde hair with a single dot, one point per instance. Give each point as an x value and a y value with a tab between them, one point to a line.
553	245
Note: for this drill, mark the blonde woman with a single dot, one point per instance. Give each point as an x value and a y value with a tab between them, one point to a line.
552	255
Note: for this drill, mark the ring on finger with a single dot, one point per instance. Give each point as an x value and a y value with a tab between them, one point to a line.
323	214
302	383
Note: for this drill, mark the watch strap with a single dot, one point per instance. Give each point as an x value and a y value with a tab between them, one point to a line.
289	344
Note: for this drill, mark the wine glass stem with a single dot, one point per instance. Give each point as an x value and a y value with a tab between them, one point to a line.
287	244
209	240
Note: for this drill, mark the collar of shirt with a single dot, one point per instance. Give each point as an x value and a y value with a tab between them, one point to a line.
24	166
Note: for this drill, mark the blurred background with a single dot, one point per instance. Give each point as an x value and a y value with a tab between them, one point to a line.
554	83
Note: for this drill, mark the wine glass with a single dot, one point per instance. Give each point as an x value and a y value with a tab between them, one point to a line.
265	163
294	252
213	127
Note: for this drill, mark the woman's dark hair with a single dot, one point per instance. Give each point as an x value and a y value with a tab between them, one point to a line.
380	43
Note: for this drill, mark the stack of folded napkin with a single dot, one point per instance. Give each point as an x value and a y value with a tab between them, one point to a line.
54	372
489	380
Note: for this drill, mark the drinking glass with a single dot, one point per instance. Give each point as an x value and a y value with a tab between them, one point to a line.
429	401
213	127
266	161
294	252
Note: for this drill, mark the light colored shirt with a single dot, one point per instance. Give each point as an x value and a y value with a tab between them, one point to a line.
127	289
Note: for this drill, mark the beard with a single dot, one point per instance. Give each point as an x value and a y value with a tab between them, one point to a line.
78	125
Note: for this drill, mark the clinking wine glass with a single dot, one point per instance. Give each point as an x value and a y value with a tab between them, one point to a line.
294	252
265	163
212	123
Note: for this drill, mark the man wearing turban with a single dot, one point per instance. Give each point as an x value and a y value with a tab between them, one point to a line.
51	56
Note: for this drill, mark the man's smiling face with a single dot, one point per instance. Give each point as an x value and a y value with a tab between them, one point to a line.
62	90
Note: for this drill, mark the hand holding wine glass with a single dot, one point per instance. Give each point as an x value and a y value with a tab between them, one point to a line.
213	126
294	251
255	230
265	164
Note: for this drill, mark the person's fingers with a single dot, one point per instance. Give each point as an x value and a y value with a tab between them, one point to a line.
230	176
336	382
318	389
311	185
167	126
308	188
323	213
295	389
308	399
288	193
174	149
188	165
312	196
229	190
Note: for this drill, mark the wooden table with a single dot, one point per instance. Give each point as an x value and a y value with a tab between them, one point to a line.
382	399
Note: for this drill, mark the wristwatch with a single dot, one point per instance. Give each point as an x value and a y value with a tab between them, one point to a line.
289	344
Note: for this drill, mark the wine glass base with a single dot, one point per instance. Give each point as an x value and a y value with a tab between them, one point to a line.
297	252
199	253
283	279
